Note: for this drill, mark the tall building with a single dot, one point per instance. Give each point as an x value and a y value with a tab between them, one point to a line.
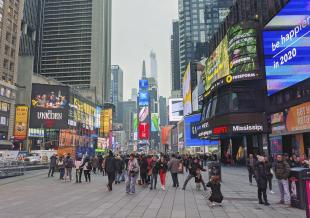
175	57
11	13
75	47
129	108
134	94
116	88
153	61
192	29
163	113
143	70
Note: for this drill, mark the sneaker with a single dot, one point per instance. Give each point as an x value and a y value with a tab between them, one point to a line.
163	187
267	204
272	192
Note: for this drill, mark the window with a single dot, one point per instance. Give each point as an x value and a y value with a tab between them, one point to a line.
5	64
0	16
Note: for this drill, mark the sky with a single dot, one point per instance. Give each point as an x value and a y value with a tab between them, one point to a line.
139	26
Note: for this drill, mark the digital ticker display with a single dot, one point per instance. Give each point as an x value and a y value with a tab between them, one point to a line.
287	46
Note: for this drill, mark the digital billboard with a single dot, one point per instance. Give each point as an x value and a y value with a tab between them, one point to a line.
191	138
21	122
49	106
143	114
235	58
144	131
155	122
187	91
175	109
143	84
143	98
106	122
286	46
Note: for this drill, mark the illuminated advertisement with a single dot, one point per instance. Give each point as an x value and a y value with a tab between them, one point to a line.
175	109
143	98
21	122
144	114
106	122
144	131
49	106
235	58
286	46
97	117
187	92
143	84
84	113
165	135
155	122
135	123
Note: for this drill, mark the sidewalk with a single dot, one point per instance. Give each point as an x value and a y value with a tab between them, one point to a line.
38	196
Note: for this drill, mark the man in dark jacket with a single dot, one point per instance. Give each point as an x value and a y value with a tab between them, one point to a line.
193	168
251	162
120	165
155	170
53	163
69	164
282	172
173	166
261	180
110	169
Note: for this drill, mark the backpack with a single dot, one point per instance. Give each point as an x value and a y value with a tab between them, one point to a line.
69	163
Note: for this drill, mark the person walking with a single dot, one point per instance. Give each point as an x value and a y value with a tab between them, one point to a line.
110	168
193	169
120	164
261	180
132	174
95	163
143	171
155	170
68	162
61	168
163	167
86	167
250	165
282	172
173	166
269	172
78	171
53	164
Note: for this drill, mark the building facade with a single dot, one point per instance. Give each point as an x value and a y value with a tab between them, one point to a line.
175	57
75	46
163	113
153	63
116	86
11	13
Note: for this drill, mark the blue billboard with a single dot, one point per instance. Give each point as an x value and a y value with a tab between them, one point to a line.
287	46
143	84
143	98
191	139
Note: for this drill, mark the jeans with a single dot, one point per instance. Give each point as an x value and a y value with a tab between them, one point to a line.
261	192
131	184
119	176
153	180
68	173
78	175
189	177
51	171
143	177
284	190
111	178
87	175
175	179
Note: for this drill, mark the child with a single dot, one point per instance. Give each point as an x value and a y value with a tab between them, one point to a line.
216	195
198	179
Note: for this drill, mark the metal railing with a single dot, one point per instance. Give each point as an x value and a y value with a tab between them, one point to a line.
10	168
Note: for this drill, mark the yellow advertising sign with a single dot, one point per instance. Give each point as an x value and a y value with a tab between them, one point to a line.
21	122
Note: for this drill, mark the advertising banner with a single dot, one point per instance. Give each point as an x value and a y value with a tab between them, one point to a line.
144	114
143	84
143	98
155	122
298	118
49	106
21	122
286	46
107	121
144	131
187	92
175	109
165	135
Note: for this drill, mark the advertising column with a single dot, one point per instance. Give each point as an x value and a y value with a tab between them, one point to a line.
144	126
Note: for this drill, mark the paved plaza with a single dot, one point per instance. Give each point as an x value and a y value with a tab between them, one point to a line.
36	196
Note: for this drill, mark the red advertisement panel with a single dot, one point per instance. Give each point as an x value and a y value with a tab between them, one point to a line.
144	131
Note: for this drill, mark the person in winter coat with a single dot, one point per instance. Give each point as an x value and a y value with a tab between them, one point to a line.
69	164
269	173
216	195
143	170
250	165
261	180
173	166
133	171
110	168
53	164
120	165
155	170
163	167
61	168
95	163
78	171
86	167
194	166
282	172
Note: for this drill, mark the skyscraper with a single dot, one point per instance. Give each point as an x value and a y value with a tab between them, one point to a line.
134	94
153	62
76	44
192	29
116	87
163	113
175	57
143	70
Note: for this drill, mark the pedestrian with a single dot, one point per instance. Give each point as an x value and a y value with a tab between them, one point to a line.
143	170
186	163
120	164
261	180
155	171
103	165
198	179
282	172
163	167
61	168
78	171
53	164
100	160
173	166
269	172
86	167
110	168
194	166
95	163
132	174
250	165
216	193
68	162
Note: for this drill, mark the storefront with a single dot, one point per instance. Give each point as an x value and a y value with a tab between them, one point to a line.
291	131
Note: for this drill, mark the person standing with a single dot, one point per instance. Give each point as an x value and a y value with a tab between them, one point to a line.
269	172
53	163
194	168
282	172
133	171
250	165
119	168
173	166
95	163
261	180
163	167
155	171
78	171
86	167
143	171
68	162
61	168
110	168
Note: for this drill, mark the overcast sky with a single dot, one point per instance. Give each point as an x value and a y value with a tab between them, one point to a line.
139	26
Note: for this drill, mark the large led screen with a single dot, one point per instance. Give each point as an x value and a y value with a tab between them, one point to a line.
155	122
175	109
287	46
143	98
187	91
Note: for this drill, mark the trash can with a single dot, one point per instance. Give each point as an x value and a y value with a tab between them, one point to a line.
297	182
214	169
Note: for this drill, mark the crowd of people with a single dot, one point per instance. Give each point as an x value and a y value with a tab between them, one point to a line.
135	169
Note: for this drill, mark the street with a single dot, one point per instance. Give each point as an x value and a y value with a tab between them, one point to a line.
36	195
